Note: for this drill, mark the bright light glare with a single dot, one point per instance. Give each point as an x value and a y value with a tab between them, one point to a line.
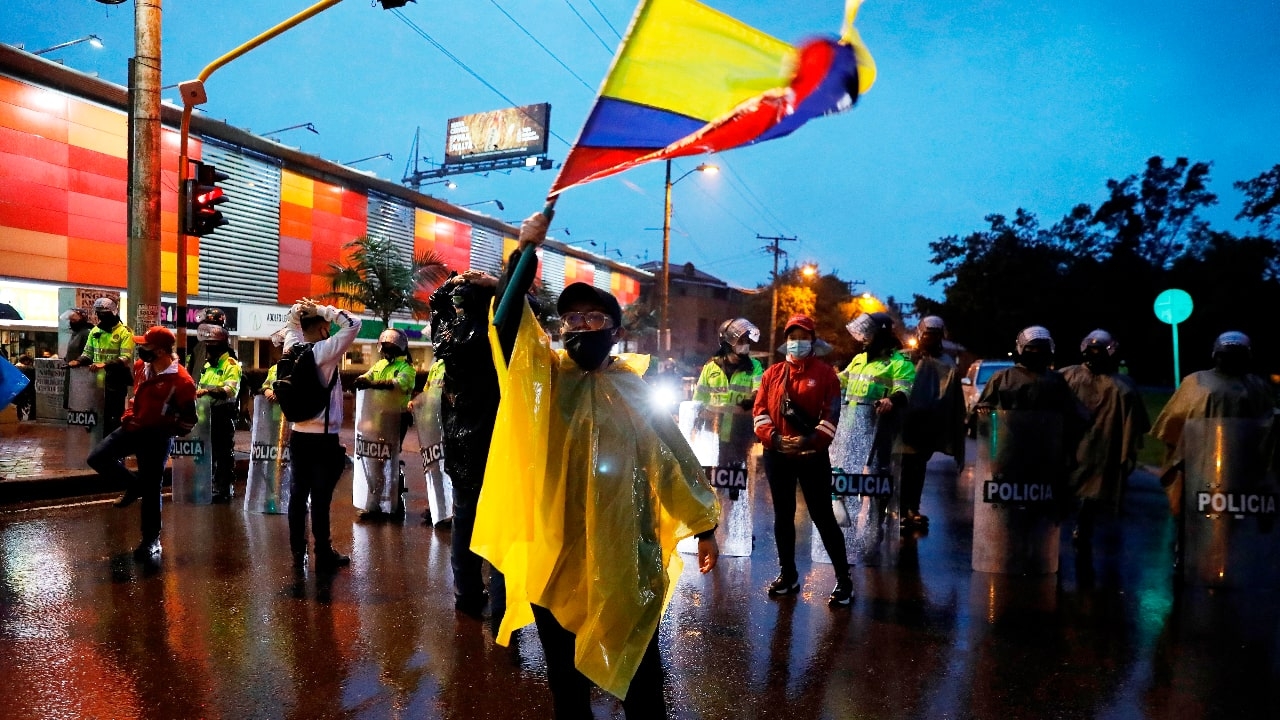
95	41
809	271
708	168
664	397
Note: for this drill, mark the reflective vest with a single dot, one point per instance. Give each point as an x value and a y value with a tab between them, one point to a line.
397	371
105	346
435	375
225	374
716	387
866	381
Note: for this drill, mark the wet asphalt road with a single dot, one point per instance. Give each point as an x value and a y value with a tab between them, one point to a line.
220	627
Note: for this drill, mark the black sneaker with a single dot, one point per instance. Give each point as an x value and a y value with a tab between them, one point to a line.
127	498
842	595
331	560
784	585
471	605
147	549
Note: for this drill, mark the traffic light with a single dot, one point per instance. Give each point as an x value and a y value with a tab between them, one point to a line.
393	4
201	198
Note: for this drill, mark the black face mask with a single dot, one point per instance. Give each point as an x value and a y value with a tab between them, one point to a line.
81	325
589	349
1036	360
215	351
107	321
1099	362
146	354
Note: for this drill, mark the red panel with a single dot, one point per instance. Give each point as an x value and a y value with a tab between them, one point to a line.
96	162
90	228
326	199
34	171
28	145
114	210
88	183
36	123
355	205
293	286
20	192
29	218
327	220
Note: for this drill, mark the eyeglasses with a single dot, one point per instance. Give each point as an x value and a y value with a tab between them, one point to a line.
585	321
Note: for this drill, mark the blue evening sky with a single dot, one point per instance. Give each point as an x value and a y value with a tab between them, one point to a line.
979	107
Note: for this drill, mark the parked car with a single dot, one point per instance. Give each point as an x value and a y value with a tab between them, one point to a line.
980	371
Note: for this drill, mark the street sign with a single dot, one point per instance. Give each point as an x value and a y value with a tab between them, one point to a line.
1172	307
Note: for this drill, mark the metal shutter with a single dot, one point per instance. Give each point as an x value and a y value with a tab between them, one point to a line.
602	279
390	219
240	260
486	250
553	272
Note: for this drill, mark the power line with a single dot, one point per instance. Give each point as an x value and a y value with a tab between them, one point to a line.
544	47
762	206
605	19
605	45
467	68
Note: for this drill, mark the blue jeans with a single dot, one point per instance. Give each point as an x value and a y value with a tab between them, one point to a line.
152	450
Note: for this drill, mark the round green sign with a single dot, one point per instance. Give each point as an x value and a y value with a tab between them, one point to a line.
1173	306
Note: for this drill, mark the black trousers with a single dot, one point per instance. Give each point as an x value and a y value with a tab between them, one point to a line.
813	474
468	577
222	428
317	464
571	690
152	450
113	408
914	467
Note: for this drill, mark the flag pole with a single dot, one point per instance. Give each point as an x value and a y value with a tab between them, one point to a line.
510	297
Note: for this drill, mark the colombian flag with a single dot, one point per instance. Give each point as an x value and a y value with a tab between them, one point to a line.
689	80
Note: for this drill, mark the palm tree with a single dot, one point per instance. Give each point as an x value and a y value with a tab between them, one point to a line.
376	278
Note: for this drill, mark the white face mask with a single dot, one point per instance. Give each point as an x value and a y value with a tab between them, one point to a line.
742	349
799	348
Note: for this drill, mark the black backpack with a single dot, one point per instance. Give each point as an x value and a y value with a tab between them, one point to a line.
297	386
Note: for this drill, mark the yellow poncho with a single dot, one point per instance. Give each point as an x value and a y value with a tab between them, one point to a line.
586	493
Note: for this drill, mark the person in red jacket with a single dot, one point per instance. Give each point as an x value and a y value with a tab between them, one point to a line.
796	411
163	405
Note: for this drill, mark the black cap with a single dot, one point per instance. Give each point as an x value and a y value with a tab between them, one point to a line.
582	292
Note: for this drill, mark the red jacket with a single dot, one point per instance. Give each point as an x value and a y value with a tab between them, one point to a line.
164	402
814	389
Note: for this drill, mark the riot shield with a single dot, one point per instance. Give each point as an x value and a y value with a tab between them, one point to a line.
1229	504
864	489
376	486
193	458
721	437
86	403
1018	478
268	487
426	418
51	389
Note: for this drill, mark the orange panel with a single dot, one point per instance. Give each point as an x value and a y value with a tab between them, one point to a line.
33	122
34	267
94	251
20	241
97	117
88	228
328	198
45	102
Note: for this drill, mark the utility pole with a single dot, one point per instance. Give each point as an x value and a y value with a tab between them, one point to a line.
774	248
144	170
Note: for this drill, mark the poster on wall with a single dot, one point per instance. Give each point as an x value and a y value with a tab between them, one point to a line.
498	134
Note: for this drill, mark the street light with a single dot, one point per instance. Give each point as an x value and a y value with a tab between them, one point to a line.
447	183
371	157
664	330
93	40
306	125
809	271
482	202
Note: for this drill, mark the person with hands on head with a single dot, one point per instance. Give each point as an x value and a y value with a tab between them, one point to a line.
587	492
162	407
316	455
796	412
109	348
220	380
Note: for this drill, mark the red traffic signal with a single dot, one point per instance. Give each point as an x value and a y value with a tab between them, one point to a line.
201	196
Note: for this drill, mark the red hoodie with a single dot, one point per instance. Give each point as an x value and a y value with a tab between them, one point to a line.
165	402
813	387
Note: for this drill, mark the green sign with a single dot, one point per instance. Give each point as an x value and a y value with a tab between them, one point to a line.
1172	307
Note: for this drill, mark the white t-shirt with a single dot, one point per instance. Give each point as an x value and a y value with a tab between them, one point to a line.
328	354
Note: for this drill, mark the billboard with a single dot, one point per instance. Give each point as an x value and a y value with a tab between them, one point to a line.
498	134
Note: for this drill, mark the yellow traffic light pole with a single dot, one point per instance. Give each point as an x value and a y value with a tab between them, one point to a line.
193	93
